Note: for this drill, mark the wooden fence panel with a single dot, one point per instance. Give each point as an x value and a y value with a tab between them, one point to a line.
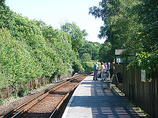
4	93
125	81
119	68
9	92
144	94
156	97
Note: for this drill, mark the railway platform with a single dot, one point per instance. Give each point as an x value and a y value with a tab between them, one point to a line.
94	99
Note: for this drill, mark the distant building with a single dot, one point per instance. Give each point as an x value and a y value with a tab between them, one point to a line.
118	58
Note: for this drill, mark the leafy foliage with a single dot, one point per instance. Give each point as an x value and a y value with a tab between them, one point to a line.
130	25
17	64
147	62
88	66
148	16
90	47
30	49
86	57
76	35
105	52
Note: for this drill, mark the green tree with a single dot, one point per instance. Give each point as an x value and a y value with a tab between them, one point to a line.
104	53
86	57
147	36
148	17
120	26
90	47
17	64
108	11
76	35
30	49
130	25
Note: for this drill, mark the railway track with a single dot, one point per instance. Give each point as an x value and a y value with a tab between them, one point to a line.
46	103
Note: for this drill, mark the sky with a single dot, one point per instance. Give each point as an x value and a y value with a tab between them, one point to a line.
58	12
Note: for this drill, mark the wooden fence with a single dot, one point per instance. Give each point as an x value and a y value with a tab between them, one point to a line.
31	85
28	86
143	94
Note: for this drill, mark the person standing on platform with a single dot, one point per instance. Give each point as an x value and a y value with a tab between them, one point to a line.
110	69
102	71
96	68
106	72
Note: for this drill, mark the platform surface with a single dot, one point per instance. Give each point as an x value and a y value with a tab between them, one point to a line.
94	99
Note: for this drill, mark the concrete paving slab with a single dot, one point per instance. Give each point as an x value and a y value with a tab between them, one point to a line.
93	99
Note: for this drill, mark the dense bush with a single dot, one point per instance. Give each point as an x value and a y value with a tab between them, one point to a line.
88	66
86	57
17	65
130	25
30	49
90	47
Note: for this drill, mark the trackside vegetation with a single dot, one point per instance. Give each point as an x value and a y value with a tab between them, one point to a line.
31	49
131	25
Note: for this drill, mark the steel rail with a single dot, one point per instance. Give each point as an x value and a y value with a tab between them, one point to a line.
60	103
43	96
12	111
37	100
